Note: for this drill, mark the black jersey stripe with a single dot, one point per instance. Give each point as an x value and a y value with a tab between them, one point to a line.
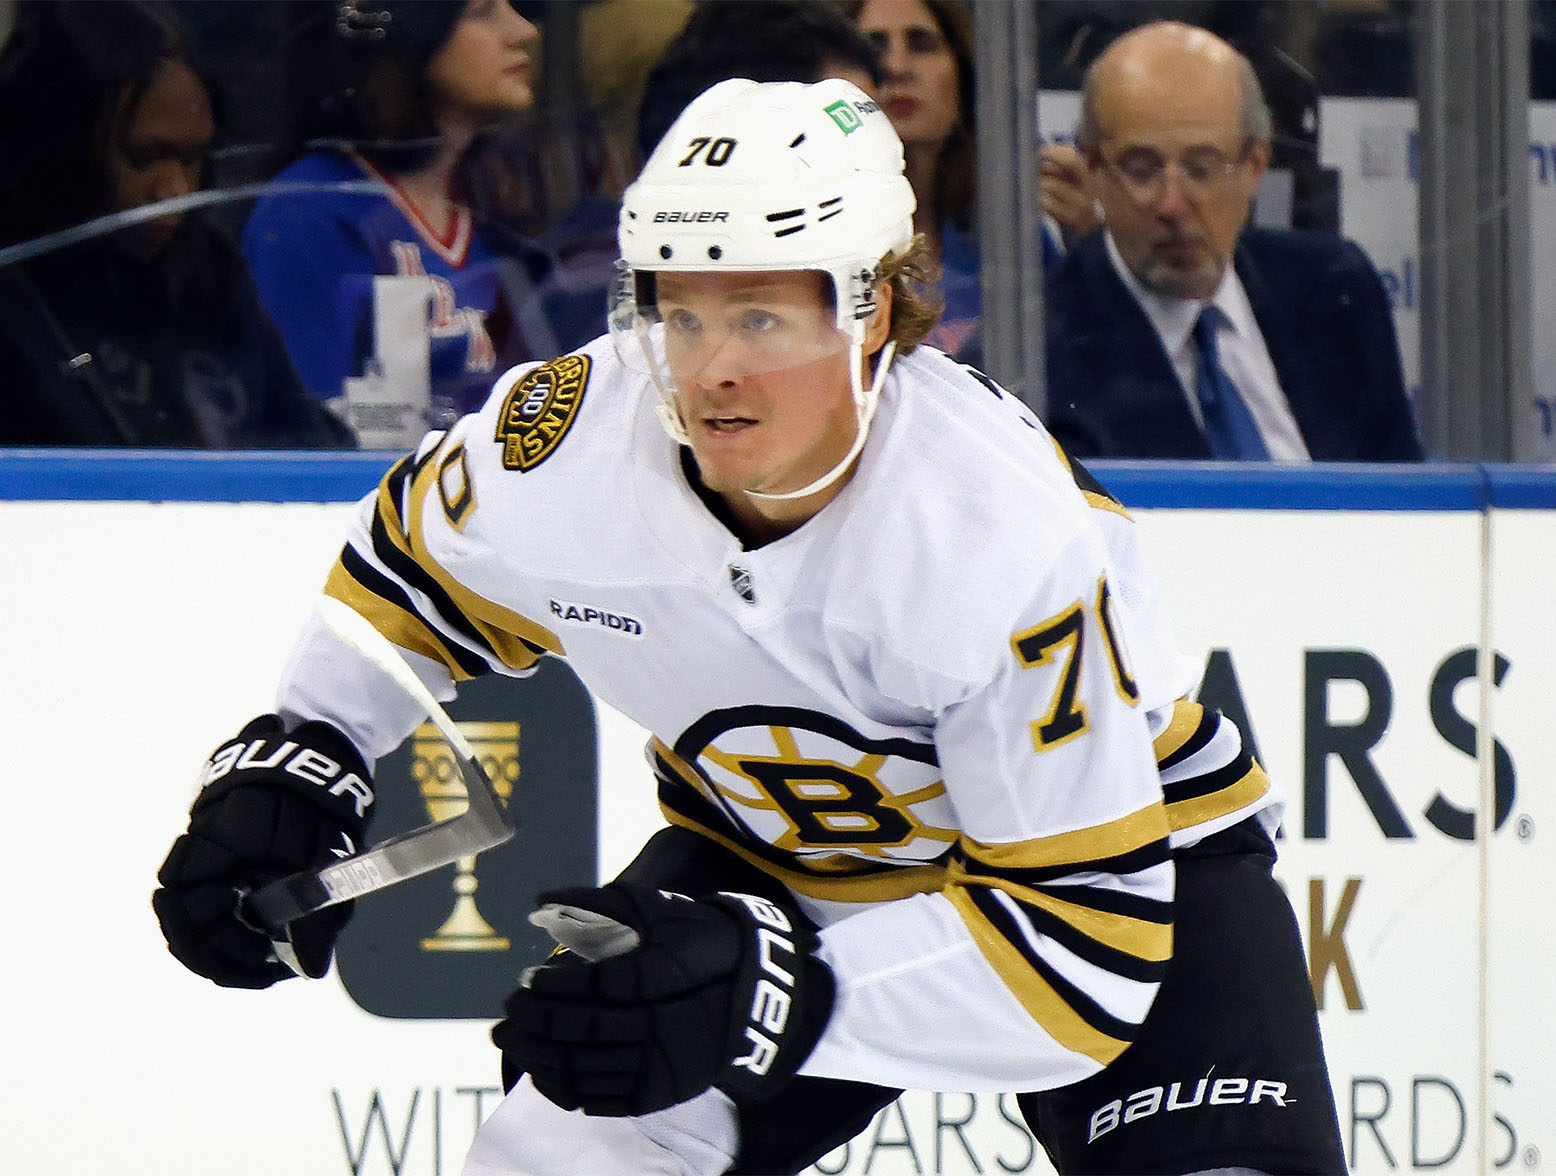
681	795
1205	783
1093	951
1095	493
373	581
1209	722
514	639
1088	481
1239	794
1147	937
394	489
1131	862
404	568
1102	899
392	492
401	624
1073	1017
1085	1006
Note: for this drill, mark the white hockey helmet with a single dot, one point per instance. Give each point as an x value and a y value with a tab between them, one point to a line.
774	176
762	176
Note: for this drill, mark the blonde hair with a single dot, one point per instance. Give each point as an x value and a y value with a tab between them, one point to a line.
916	300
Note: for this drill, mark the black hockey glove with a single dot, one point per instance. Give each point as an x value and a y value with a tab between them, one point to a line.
722	991
274	802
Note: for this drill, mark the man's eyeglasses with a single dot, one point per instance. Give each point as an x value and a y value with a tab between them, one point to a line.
1201	170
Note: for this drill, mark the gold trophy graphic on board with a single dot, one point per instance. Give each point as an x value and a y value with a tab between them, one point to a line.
436	773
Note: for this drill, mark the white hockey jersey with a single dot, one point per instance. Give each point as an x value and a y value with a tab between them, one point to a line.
929	711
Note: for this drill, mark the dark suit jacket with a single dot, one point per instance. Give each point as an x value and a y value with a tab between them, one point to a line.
1325	319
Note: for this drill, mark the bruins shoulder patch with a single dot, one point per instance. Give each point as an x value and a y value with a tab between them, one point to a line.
539	410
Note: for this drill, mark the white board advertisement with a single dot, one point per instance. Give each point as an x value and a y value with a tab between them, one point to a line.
139	635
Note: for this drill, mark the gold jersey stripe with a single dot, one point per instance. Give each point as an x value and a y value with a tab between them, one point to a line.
1185	814
1103	502
405	629
1094	498
1042	1003
1096	843
511	635
1186	718
883	886
1137	937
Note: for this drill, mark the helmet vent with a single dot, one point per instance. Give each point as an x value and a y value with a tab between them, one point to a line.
829	208
787	214
798	139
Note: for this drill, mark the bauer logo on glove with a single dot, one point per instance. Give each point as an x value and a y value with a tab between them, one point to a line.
273	802
288	755
724	990
774	993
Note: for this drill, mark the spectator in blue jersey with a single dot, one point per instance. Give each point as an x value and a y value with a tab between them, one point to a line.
120	325
398	308
764	40
926	48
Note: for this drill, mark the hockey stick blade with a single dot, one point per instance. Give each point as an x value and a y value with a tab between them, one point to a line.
484	823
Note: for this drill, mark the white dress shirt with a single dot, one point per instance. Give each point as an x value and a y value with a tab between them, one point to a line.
1240	343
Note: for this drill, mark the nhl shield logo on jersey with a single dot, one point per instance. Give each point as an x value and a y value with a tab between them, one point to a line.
539	410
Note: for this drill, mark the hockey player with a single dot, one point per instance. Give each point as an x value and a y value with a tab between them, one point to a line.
919	726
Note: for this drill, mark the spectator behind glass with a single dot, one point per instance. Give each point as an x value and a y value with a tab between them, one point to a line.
764	40
927	49
150	334
1182	333
399	309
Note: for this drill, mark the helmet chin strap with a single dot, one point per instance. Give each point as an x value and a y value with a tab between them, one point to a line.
865	400
669	416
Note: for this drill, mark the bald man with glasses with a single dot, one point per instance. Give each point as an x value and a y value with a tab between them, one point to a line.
1180	331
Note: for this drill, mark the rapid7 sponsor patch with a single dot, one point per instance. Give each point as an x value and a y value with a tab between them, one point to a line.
587	614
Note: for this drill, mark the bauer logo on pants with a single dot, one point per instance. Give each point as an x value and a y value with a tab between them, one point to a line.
1185	1096
450	944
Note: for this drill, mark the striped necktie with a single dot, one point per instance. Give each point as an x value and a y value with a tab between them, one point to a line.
1229	427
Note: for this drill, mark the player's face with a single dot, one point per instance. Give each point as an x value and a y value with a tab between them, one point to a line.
158	152
921	91
485	67
1176	177
759	371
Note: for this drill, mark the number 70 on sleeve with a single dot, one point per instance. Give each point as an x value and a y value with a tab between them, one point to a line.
1061	641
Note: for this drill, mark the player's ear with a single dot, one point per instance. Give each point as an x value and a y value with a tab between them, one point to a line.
877	328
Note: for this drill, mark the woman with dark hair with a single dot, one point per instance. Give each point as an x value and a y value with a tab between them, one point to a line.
927	48
764	40
397	306
132	327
